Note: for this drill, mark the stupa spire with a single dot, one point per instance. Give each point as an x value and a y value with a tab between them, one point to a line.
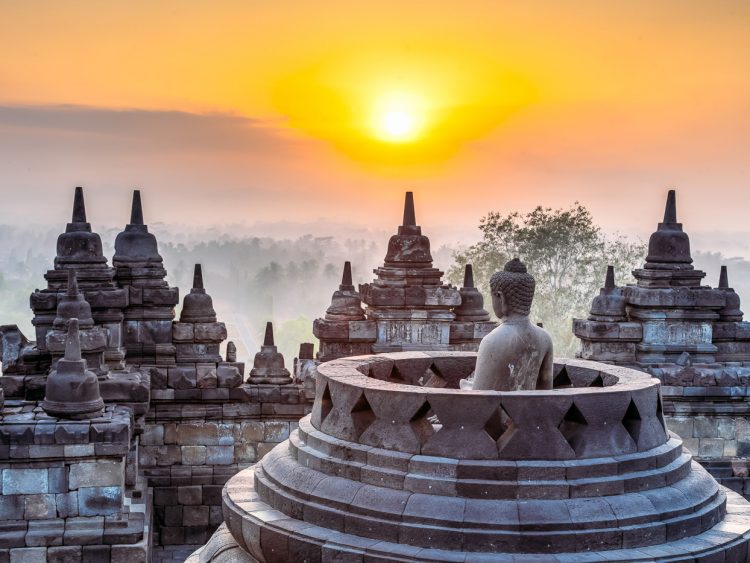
136	211
410	219
723	278
79	207
268	339
346	277
609	281
468	276
198	277
670	210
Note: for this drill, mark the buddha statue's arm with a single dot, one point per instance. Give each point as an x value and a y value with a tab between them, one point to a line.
544	382
487	374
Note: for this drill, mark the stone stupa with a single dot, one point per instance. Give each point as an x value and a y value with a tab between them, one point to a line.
268	365
72	390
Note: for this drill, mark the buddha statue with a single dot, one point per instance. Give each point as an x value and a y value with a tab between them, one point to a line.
517	355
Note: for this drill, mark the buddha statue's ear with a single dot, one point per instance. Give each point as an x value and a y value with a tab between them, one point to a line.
499	305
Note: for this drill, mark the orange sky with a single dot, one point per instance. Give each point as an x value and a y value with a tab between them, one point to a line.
226	112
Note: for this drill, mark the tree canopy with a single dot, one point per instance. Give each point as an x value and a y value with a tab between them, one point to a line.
563	249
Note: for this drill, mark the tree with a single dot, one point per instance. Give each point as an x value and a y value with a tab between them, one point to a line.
290	334
564	250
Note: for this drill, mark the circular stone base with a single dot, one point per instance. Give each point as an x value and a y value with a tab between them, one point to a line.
256	531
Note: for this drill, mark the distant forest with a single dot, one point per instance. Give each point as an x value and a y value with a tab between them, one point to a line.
288	281
252	280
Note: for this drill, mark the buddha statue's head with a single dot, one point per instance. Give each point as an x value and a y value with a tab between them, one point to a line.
512	290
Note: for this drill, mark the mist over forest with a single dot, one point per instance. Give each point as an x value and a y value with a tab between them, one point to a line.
285	276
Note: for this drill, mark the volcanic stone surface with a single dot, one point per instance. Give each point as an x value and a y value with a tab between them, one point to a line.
388	466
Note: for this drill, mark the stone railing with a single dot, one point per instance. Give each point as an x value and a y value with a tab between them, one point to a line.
410	402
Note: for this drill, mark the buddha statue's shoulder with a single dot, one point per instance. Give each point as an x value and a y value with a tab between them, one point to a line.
542	334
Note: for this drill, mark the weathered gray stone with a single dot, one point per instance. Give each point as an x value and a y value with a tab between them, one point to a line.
45	532
12	507
64	554
25	481
67	504
153	435
28	555
195	516
220	455
193	455
99	501
96	474
128	554
189	495
40	507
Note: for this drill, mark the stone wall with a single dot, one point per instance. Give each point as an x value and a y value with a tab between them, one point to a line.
713	424
191	447
69	488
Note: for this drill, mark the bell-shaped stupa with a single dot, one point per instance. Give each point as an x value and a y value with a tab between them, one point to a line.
268	366
198	307
344	331
147	328
72	390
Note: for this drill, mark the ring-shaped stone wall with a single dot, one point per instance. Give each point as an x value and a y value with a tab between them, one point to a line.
396	464
410	402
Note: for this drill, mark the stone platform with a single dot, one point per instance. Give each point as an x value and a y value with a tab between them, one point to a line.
70	488
396	464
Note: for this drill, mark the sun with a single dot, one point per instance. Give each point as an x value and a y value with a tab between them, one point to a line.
398	118
398	124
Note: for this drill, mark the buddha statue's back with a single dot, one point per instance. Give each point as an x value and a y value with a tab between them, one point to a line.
517	355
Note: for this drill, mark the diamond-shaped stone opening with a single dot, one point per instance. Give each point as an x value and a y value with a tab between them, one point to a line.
362	415
326	404
498	423
452	371
632	421
573	426
598	381
426	411
432	379
380	370
421	422
660	412
562	380
408	372
396	376
422	412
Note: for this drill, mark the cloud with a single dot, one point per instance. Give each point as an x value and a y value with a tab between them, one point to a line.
192	167
138	129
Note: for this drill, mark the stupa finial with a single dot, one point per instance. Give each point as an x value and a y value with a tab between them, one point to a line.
136	211
410	219
79	207
609	281
198	277
723	278
346	278
468	276
268	339
670	211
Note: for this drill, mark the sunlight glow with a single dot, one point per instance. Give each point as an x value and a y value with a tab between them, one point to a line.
398	118
397	124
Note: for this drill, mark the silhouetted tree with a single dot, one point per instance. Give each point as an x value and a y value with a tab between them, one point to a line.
565	251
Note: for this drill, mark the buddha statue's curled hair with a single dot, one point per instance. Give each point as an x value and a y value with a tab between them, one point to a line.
516	286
